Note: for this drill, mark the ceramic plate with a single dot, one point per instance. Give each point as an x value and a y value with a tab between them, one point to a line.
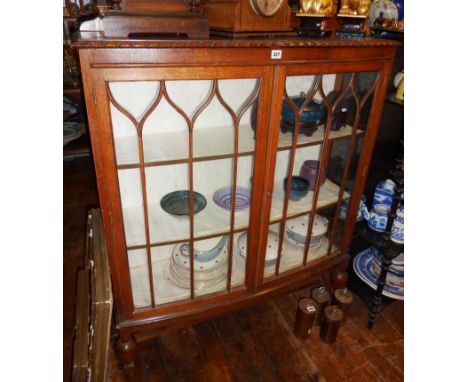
395	267
184	283
300	224
199	275
271	250
223	197
242	244
392	277
315	242
207	244
177	203
184	262
362	265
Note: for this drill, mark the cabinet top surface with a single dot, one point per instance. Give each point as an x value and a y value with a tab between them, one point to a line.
96	40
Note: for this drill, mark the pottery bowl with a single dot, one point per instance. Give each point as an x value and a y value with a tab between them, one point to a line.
300	239
204	250
178	203
299	187
223	198
313	112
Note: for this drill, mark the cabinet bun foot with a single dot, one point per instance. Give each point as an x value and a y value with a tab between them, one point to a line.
127	349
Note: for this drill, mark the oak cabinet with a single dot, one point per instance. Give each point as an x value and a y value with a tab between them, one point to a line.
202	115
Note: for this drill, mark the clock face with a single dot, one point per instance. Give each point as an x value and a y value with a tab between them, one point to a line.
266	8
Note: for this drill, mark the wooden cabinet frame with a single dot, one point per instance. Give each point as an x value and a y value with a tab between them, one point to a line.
121	60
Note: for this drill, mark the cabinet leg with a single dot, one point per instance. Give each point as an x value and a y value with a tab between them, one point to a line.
126	349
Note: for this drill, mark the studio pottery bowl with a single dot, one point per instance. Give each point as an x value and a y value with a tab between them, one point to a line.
313	114
204	250
177	203
299	187
223	198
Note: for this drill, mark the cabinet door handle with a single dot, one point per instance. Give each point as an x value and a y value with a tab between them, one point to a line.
268	194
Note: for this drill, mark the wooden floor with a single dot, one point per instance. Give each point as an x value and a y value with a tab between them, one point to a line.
255	344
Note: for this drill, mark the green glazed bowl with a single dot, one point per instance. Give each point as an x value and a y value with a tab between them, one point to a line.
177	203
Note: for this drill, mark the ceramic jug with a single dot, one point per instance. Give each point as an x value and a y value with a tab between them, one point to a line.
383	193
377	218
397	233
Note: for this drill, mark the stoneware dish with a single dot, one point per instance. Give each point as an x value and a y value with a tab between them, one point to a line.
204	250
313	112
312	115
223	197
297	228
299	187
177	203
206	268
271	250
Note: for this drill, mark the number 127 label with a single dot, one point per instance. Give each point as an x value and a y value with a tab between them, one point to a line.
276	54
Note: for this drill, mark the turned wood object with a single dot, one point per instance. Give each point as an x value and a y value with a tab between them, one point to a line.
322	298
343	298
331	324
126	349
339	279
306	310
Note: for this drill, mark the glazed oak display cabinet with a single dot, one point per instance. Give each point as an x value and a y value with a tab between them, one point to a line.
179	129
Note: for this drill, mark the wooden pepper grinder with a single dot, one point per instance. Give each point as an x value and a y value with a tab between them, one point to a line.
306	310
331	323
343	299
321	297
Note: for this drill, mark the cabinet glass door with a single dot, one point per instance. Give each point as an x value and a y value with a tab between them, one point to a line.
185	154
323	120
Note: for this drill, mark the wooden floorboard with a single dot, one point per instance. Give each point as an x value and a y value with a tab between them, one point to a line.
255	344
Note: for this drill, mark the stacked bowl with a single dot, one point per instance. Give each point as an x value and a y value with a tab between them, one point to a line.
210	263
271	252
296	231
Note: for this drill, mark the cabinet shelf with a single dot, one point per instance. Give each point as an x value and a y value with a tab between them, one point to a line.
167	292
209	144
213	221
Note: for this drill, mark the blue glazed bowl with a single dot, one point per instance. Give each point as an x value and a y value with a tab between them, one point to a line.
313	112
299	187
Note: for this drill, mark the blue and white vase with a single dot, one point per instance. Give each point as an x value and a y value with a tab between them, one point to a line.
378	217
383	193
361	212
397	234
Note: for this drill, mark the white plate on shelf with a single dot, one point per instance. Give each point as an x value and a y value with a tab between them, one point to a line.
362	265
199	274
271	249
184	261
315	242
299	225
184	283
